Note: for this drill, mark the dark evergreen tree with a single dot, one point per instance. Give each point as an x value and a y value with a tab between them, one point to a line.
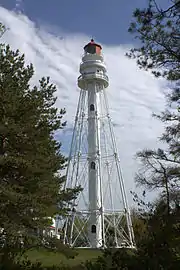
30	158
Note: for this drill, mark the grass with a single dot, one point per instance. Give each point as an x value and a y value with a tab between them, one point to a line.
48	258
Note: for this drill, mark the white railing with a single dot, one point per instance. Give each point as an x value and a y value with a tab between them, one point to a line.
95	56
93	75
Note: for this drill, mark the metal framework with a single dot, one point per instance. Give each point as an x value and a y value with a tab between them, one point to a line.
99	216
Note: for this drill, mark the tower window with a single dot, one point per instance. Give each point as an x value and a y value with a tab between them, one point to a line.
93	165
92	107
93	228
91	49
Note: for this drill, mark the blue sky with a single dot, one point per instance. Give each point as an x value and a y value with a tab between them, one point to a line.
106	20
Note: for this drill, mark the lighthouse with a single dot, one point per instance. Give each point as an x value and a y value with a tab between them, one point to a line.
99	217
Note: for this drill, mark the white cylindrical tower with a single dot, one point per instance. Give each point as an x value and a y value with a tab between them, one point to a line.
99	217
93	79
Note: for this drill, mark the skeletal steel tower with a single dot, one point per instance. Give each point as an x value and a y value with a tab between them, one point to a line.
100	216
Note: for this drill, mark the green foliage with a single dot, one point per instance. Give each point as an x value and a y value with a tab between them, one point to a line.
157	248
160	248
115	259
2	29
140	226
26	264
30	158
159	33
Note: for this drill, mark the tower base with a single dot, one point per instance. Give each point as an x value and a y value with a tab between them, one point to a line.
116	235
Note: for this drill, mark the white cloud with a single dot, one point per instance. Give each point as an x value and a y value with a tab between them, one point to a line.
133	94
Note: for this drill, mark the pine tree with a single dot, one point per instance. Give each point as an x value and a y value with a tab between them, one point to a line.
30	158
159	33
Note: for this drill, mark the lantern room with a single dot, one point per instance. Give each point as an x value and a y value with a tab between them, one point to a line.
93	48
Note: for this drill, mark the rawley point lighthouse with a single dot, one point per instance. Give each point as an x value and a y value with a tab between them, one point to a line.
99	216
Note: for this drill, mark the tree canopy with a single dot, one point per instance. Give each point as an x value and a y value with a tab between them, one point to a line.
31	162
158	31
